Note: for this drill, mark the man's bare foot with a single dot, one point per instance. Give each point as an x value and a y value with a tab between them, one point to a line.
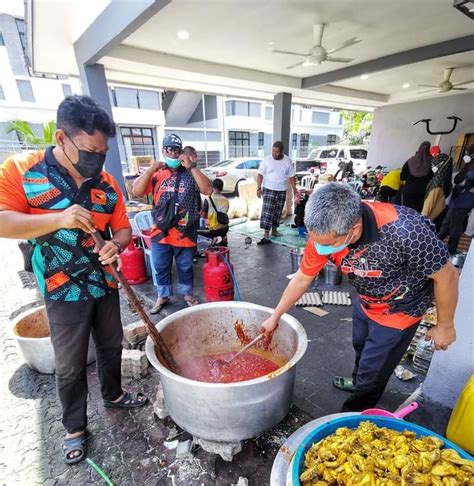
76	452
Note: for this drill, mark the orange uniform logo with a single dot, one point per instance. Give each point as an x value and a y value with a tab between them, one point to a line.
98	196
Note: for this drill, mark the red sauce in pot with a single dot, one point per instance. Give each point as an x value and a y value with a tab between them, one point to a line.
247	366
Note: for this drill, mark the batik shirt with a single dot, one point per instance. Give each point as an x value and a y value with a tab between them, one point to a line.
64	263
390	264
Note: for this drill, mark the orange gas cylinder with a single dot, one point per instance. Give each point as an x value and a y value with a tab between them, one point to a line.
133	263
216	276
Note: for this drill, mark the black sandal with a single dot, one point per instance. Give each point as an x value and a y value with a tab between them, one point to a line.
129	400
75	444
264	241
157	308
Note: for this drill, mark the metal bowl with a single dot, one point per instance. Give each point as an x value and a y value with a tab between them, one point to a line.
227	411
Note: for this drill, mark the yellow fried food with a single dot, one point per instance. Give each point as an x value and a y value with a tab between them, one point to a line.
377	456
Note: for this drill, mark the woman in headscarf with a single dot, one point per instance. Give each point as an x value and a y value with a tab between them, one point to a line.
417	173
439	187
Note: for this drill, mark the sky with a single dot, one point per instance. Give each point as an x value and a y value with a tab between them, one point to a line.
12	7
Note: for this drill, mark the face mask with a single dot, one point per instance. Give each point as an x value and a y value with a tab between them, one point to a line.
172	163
89	164
467	159
328	249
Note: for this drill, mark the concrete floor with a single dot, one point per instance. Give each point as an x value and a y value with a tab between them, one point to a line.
129	445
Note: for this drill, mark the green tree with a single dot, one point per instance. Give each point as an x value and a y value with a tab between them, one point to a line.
28	136
357	127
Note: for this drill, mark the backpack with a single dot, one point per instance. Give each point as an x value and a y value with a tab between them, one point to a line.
165	215
222	218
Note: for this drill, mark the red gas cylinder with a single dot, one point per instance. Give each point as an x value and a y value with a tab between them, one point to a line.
133	263
218	284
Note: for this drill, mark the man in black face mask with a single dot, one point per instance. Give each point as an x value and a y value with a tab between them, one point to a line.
56	199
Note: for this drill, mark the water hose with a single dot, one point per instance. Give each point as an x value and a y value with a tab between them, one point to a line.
236	285
99	471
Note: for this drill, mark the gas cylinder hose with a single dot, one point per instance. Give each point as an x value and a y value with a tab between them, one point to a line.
99	471
236	285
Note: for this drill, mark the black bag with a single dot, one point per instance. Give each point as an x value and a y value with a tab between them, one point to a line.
165	214
26	249
222	218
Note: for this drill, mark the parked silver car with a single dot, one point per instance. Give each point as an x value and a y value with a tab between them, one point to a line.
232	171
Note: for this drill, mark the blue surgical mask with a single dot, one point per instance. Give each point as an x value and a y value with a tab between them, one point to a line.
328	249
172	163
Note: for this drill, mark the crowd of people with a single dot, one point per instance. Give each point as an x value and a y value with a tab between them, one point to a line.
425	183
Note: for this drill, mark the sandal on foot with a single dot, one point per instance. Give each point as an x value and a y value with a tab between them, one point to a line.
191	301
75	444
264	241
158	307
129	400
345	384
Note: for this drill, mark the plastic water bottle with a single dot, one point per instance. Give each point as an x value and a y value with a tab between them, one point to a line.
423	354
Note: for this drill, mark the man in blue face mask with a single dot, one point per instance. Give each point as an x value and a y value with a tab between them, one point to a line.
392	256
176	186
55	199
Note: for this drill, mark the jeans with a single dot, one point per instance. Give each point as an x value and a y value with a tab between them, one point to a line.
378	349
163	260
71	324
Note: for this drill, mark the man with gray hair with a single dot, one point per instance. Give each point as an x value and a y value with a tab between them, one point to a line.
392	256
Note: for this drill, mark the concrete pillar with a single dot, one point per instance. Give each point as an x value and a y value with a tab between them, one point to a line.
282	119
450	370
94	84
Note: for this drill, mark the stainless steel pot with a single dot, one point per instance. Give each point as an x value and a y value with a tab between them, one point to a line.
227	411
296	255
459	259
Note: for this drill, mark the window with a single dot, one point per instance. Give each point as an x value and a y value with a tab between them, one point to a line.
148	100
359	154
261	139
239	144
126	97
292	114
249	165
20	25
137	141
294	140
268	113
332	140
304	139
67	91
112	97
2	94
241	108
25	89
328	154
340	119
2	42
255	110
320	117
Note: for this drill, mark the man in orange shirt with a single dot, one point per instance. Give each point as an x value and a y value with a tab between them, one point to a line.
176	186
56	199
397	264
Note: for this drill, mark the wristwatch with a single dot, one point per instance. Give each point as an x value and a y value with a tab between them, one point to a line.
118	245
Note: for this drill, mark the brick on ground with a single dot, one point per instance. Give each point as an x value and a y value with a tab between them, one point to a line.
134	363
135	333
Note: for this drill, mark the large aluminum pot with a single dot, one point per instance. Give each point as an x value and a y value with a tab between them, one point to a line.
227	411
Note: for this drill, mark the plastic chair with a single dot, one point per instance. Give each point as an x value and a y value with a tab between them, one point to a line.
143	221
356	185
308	182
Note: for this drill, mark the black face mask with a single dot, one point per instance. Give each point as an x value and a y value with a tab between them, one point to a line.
90	164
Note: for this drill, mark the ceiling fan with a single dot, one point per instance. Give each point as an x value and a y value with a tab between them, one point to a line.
318	54
446	84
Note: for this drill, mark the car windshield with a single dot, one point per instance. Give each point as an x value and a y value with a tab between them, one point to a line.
314	154
328	154
358	154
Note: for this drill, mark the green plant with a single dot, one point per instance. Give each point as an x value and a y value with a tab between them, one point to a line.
357	127
28	136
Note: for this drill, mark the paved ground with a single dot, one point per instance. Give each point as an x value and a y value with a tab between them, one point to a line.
128	445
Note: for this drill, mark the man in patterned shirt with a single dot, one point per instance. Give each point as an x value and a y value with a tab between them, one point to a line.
393	257
56	199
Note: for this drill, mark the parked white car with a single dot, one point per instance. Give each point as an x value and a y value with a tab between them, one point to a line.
233	171
328	158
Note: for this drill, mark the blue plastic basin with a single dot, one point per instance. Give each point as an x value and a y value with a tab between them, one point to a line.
352	422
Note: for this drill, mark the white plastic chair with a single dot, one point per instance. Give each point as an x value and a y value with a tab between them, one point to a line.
308	182
356	185
144	221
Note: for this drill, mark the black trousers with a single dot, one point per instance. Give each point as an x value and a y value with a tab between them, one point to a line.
453	225
387	194
71	323
378	349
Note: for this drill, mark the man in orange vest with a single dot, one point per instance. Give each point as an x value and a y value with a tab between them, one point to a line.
397	264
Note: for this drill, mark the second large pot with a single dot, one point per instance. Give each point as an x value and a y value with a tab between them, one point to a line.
227	411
